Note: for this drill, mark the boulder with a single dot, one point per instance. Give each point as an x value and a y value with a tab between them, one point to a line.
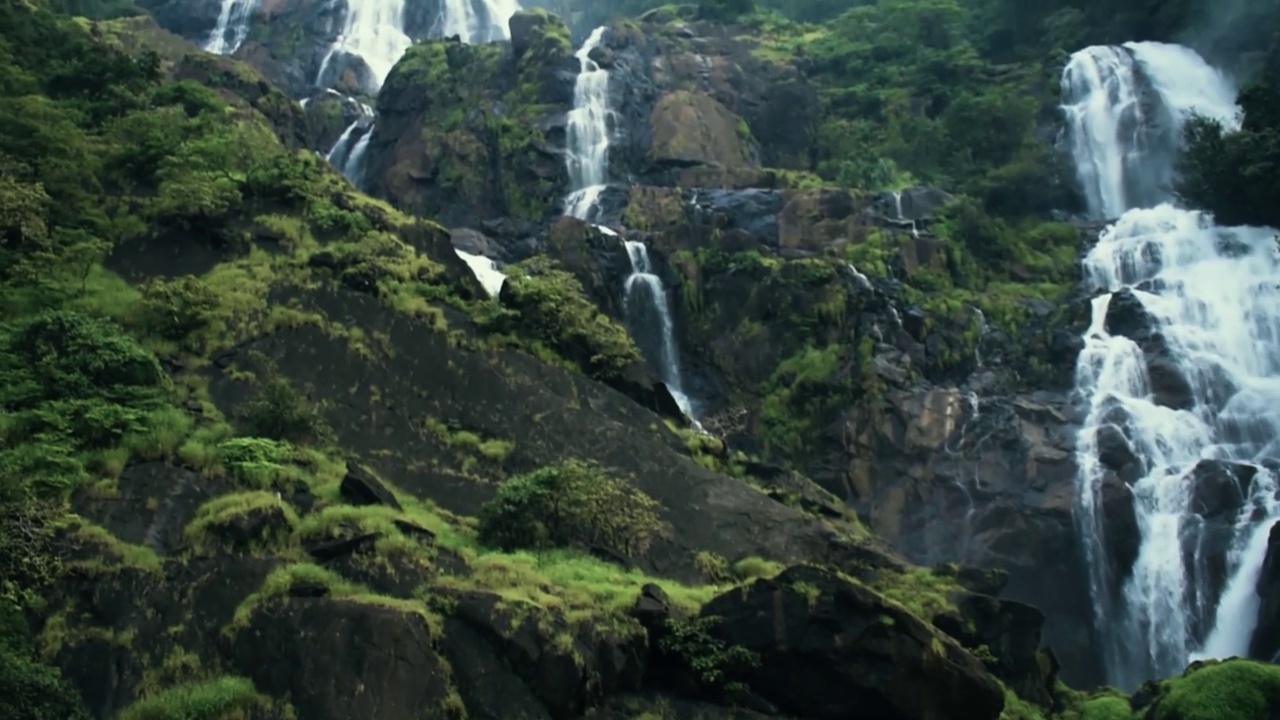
340	659
1265	643
360	487
1010	631
565	667
692	128
830	648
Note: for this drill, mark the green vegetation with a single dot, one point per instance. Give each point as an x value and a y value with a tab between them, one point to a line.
28	689
1232	174
219	699
571	504
716	665
552	312
1230	690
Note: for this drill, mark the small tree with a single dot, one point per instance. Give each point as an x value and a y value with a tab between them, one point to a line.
571	503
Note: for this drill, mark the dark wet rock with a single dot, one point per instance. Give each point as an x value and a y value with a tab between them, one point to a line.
1010	631
1122	537
360	487
1114	450
1128	317
1265	644
1220	488
834	649
334	549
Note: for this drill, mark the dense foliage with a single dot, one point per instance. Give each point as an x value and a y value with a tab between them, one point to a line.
571	504
1236	174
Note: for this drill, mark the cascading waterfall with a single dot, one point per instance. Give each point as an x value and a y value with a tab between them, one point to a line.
1125	107
347	154
588	134
485	270
374	31
651	311
1199	381
232	27
472	24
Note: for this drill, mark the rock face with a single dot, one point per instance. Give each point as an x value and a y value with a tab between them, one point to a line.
472	132
831	649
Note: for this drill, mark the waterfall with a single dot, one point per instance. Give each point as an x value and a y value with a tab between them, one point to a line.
232	27
1124	108
646	305
487	23
1180	374
347	154
588	135
485	270
374	31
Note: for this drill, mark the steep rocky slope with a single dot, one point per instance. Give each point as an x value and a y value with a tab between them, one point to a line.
278	407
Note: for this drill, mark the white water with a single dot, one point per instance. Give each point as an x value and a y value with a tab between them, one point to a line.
374	31
1123	143
347	154
232	27
644	282
486	23
486	271
588	134
1214	294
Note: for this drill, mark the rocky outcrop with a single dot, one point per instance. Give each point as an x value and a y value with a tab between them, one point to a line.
472	132
690	128
830	648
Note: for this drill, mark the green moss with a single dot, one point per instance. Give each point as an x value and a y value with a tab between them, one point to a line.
209	530
1229	690
553	313
1106	708
922	591
277	586
217	699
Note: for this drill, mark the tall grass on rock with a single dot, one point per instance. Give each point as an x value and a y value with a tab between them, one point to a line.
573	503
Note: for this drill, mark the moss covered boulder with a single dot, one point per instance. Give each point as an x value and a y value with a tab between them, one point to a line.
469	132
830	648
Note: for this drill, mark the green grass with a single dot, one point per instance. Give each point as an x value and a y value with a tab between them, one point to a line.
202	533
221	699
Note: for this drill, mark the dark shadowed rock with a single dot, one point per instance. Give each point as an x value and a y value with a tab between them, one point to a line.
1220	488
152	505
334	549
1122	537
1128	317
652	605
567	667
1265	644
338	659
832	649
1114	450
1011	633
360	487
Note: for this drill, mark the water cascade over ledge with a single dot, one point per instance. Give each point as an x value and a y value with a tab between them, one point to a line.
232	27
1180	375
650	319
588	135
476	21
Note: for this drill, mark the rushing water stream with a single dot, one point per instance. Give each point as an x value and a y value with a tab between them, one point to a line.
1189	376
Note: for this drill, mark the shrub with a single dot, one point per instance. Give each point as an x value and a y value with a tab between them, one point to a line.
554	311
176	308
212	700
572	503
279	412
713	663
